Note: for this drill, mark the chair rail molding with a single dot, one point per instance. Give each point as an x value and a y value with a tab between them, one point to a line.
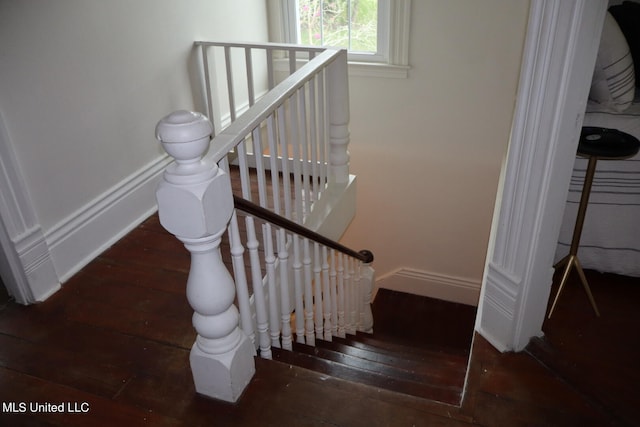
559	55
26	265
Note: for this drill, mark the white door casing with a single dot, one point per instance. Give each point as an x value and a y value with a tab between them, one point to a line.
558	60
26	268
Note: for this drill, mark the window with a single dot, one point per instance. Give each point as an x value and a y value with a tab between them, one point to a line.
375	32
352	24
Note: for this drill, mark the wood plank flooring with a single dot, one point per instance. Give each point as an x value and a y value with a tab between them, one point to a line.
598	355
117	337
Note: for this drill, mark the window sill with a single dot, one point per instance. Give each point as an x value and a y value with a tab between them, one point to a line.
359	69
371	69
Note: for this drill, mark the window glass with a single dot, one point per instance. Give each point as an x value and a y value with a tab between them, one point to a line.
352	24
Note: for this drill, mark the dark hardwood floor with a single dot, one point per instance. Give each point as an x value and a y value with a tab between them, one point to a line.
115	341
4	295
597	355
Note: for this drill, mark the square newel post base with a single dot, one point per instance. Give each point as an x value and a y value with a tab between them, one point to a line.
223	376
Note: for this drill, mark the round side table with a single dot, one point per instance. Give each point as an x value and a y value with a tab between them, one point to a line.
595	143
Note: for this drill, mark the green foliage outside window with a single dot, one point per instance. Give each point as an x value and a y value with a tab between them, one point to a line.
344	23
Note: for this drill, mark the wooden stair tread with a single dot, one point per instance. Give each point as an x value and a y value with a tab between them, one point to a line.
425	363
416	347
450	395
453	330
384	364
364	341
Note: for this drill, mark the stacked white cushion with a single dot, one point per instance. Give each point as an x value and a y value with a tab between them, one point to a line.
613	84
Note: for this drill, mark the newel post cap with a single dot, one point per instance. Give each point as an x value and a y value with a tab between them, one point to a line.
183	126
184	134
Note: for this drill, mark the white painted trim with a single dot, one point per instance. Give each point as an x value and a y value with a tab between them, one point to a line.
332	214
360	69
86	233
26	268
399	23
560	50
424	283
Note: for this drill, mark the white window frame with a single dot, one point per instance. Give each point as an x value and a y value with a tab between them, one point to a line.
392	59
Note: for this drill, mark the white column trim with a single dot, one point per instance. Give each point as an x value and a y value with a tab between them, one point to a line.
560	49
27	268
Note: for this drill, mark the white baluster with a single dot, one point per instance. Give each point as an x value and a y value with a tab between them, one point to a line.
333	284
323	131
348	296
285	304
242	288
270	261
313	141
292	61
284	150
338	105
304	145
297	159
256	136
248	59
353	316
308	294
262	317
317	289
270	74
195	204
273	160
326	294
207	81
341	296
359	297
232	98
299	289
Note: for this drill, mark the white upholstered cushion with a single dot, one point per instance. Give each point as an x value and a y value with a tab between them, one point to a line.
613	84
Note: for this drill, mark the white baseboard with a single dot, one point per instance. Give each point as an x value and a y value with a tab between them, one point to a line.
82	236
39	270
423	283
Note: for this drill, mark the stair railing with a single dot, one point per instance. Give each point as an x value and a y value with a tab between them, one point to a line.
235	75
331	298
302	124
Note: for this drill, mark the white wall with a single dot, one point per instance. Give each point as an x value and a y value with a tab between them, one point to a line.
82	85
428	149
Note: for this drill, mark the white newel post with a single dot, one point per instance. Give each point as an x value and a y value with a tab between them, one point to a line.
195	204
338	105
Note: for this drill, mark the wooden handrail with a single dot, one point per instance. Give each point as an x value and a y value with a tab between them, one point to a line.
244	205
263	45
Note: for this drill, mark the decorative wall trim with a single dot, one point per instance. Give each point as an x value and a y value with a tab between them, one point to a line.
86	233
499	298
27	268
560	49
424	283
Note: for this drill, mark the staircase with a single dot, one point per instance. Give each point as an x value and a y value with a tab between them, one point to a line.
266	265
425	362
